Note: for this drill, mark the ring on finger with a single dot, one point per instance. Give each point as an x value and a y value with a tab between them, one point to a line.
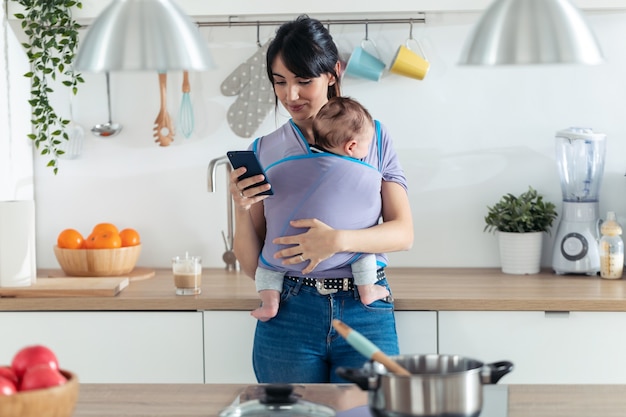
302	258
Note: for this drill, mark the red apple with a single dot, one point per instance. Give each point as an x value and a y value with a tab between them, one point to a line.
9	374
41	376
32	356
7	387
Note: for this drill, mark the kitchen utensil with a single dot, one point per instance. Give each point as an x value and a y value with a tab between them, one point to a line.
163	126
229	257
439	385
278	400
185	114
68	287
367	348
109	128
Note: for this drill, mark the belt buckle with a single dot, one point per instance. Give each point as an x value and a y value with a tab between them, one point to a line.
319	285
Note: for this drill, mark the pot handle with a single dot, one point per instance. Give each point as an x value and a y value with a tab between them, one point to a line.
492	372
357	375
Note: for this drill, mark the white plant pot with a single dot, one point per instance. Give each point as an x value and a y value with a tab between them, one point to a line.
520	253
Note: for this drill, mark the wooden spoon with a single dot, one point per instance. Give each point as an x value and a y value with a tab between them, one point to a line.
367	348
163	126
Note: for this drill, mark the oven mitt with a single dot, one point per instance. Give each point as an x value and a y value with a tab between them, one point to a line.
255	94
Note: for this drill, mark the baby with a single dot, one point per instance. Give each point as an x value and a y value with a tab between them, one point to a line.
343	127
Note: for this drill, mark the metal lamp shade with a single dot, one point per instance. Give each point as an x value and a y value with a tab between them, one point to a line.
518	32
143	35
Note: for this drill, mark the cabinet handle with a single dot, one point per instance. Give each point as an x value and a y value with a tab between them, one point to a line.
557	314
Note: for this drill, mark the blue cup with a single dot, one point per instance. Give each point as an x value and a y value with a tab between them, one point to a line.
362	64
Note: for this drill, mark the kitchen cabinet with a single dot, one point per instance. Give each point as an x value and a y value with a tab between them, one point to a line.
228	338
113	347
417	331
545	347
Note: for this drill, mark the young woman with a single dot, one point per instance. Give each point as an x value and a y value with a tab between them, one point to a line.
299	345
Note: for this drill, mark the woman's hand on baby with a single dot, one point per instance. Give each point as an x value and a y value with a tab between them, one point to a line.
243	196
314	245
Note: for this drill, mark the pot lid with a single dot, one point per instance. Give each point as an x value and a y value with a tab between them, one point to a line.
278	400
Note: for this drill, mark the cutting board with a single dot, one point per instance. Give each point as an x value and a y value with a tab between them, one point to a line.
69	287
137	274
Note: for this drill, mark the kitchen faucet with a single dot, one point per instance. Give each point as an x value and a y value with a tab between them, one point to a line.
229	256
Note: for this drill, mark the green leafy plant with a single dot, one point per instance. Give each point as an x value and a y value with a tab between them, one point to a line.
52	44
527	212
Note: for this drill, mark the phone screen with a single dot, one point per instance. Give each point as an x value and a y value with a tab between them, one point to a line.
249	160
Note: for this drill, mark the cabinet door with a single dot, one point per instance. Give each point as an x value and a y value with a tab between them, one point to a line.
417	331
228	338
545	347
112	347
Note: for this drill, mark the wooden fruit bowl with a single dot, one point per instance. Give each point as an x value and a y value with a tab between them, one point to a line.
49	402
97	262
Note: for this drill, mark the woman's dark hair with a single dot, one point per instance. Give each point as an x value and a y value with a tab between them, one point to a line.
307	49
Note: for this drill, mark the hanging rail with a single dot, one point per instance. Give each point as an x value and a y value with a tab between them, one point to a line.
419	18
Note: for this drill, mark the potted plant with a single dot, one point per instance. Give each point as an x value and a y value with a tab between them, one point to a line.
52	34
520	222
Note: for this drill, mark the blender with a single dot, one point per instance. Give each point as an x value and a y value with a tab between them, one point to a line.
580	157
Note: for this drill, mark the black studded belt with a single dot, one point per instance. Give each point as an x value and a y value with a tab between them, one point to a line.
327	286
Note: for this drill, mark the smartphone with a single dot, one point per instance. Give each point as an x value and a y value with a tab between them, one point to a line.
249	160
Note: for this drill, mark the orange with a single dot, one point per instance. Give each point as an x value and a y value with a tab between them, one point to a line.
70	239
104	240
104	227
130	237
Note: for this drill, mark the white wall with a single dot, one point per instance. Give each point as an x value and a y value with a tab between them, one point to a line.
465	136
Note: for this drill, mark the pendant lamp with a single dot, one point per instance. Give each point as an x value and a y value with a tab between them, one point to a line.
520	32
143	35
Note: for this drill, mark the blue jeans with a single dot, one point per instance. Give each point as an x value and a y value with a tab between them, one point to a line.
300	345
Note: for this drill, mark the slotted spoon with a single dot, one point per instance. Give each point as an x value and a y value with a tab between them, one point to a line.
163	126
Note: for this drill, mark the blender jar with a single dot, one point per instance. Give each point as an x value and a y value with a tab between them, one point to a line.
580	157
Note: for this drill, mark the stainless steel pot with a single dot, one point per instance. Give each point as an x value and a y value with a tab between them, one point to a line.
439	385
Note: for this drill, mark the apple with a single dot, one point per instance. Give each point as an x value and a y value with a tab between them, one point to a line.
7	387
32	356
8	373
41	376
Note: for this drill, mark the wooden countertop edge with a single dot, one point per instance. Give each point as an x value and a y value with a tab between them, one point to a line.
414	289
140	400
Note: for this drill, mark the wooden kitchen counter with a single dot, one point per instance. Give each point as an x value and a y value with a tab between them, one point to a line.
200	400
437	289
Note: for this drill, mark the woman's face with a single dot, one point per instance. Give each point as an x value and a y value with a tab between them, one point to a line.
302	97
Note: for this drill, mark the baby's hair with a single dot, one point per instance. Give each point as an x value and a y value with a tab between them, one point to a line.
338	121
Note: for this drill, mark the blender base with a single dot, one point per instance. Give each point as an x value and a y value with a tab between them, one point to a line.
576	242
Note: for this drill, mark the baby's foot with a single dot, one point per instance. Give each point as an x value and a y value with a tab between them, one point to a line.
265	312
372	292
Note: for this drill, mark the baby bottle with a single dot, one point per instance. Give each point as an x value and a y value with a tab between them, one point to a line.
611	248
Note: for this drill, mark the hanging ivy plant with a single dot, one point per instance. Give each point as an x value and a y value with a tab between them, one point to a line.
52	44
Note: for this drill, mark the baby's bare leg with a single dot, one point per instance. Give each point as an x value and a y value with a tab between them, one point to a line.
371	292
270	299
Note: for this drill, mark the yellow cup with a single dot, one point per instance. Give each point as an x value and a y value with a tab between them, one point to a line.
408	63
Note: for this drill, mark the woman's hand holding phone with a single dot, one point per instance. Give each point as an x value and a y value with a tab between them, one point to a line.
256	178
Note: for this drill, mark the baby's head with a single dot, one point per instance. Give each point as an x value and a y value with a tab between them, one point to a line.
345	127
